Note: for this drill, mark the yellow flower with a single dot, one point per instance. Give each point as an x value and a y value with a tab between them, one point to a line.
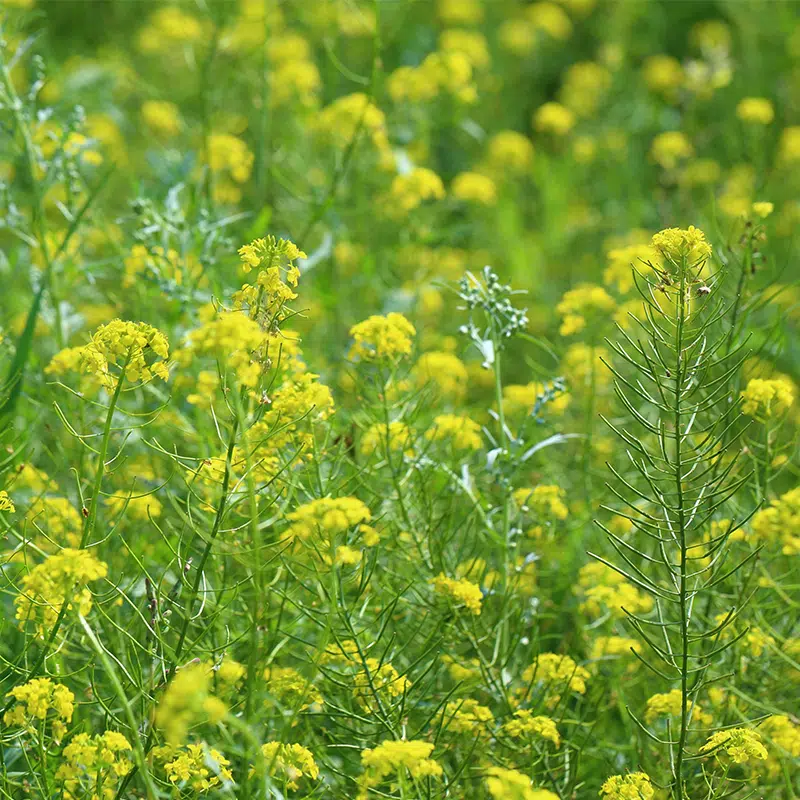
161	117
557	672
459	12
289	762
92	761
584	87
585	300
633	786
605	591
377	337
542	501
663	74
35	700
471	43
188	701
741	744
553	118
762	209
393	757
525	724
610	646
326	518
551	19
411	189
379	438
669	704
520	400
6	503
789	145
757	110
473	187
461	431
443	372
675	244
508	784
290	688
467	716
59	580
622	262
670	148
461	592
138	349
767	398
381	679
200	767
510	151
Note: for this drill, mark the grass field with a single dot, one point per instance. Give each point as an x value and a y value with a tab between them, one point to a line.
398	399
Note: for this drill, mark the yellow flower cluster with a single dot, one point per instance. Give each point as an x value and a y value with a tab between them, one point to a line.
161	117
448	72
377	679
410	189
378	439
778	524
442	372
277	278
467	716
756	110
584	86
325	519
165	263
167	29
138	349
544	500
93	765
352	114
669	704
35	700
289	687
671	148
393	757
767	398
525	724
289	763
199	767
58	518
520	399
740	744
294	79
59	580
472	187
605	591
6	503
461	431
556	672
510	151
188	701
231	162
461	592
553	118
471	43
676	244
610	646
509	784
382	337
623	260
582	302
633	786
236	341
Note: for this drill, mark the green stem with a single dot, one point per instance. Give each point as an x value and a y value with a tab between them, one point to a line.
91	516
681	532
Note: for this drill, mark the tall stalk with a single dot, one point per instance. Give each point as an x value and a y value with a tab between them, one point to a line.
675	381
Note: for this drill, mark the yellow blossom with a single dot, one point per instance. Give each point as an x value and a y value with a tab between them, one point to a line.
461	592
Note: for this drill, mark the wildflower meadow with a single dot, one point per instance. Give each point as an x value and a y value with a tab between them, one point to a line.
399	399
